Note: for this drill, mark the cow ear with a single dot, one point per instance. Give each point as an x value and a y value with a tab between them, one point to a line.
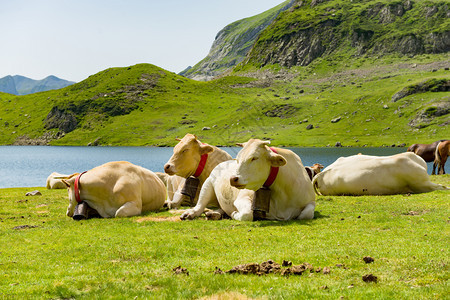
66	183
241	144
205	149
276	160
177	139
70	180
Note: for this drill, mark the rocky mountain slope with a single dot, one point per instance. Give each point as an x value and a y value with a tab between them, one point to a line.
232	44
341	30
20	85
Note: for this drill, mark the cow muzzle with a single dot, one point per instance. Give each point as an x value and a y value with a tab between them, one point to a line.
234	181
168	168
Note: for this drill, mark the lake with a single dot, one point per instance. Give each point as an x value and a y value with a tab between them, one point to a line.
29	166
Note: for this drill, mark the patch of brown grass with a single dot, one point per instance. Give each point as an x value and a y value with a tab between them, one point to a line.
159	219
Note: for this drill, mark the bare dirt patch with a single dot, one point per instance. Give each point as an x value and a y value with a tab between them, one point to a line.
180	270
159	219
226	296
24	227
415	213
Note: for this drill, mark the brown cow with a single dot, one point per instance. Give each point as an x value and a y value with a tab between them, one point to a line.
314	170
426	151
442	152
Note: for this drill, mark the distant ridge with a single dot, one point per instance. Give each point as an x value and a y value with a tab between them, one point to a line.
21	85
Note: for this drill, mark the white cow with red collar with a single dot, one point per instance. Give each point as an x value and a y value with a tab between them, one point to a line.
234	183
194	158
116	189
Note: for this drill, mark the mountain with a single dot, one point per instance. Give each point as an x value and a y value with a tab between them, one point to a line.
20	85
340	29
297	32
232	44
322	73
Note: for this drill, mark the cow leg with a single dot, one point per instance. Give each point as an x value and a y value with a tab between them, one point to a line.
207	195
434	168
177	199
307	212
128	209
215	214
243	204
442	165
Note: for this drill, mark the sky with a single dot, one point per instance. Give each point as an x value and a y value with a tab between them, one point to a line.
73	39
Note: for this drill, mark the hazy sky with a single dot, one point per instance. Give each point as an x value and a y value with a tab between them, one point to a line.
73	39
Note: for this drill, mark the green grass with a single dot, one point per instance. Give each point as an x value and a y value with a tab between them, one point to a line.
58	258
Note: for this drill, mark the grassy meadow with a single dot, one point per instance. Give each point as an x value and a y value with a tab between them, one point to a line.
46	255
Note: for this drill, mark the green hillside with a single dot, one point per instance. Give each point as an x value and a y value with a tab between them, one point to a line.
146	105
358	73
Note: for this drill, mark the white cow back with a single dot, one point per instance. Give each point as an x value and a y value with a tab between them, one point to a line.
54	181
375	175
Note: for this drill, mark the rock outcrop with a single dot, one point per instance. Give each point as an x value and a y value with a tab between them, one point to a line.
324	30
232	44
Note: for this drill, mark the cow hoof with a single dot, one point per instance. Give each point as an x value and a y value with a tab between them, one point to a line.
213	215
187	215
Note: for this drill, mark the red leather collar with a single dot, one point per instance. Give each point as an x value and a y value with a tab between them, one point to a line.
77	188
273	173
201	165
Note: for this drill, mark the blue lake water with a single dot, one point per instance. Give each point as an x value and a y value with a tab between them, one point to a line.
29	166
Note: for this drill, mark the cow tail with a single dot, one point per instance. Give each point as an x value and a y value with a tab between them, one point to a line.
437	157
316	184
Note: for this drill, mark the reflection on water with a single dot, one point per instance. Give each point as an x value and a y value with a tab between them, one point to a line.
29	166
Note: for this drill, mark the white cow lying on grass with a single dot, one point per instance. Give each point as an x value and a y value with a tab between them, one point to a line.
233	184
54	181
116	189
375	175
194	158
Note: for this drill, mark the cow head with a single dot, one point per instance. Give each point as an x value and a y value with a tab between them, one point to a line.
317	168
186	156
70	182
412	148
254	162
